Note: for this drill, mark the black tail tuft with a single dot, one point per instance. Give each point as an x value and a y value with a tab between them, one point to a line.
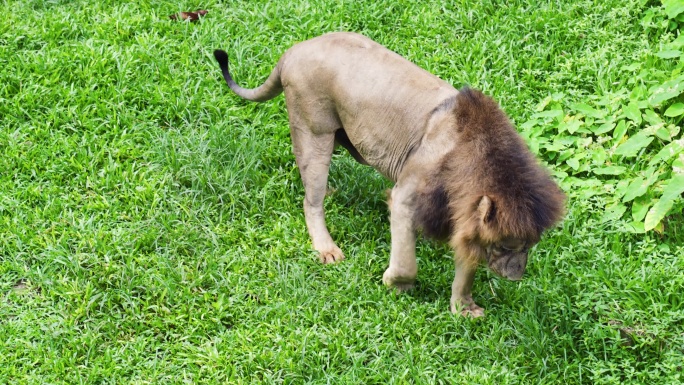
267	91
222	58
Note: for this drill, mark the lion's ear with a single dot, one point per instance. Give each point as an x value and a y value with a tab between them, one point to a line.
486	210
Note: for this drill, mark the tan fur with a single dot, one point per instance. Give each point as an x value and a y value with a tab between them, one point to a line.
462	173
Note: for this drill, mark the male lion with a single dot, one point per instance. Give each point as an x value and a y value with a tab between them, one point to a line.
462	172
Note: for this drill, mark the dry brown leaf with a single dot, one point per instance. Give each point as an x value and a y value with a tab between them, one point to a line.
189	16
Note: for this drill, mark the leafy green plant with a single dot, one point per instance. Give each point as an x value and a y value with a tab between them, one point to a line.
628	140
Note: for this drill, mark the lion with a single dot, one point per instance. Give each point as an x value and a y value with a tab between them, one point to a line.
461	171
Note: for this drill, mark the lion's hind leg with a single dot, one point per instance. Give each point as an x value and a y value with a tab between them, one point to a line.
313	152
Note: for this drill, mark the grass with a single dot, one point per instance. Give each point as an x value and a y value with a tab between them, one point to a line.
151	228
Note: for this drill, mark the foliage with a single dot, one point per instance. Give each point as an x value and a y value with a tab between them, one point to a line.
627	143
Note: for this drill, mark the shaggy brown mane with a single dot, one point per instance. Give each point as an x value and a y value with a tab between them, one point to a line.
491	159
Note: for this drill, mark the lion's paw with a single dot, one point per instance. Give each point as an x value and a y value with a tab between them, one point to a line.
399	282
471	310
331	256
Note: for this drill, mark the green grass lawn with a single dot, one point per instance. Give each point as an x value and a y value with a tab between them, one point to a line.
151	224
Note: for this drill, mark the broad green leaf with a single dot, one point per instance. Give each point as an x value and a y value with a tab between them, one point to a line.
609	170
584	167
620	188
668	54
528	125
633	113
582	183
673	8
668	90
585	188
650	116
571	125
640	208
675	109
555	114
635	227
633	145
583	143
639	185
614	212
531	144
545	102
668	152
620	130
567	140
587	110
678	42
639	92
664	247
598	156
555	146
602	129
663	133
573	163
651	129
672	191
558	174
565	155
532	128
678	164
647	19
637	188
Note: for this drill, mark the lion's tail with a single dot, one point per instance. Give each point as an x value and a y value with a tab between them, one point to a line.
271	88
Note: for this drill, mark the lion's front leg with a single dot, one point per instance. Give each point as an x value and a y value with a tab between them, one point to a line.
461	290
403	268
